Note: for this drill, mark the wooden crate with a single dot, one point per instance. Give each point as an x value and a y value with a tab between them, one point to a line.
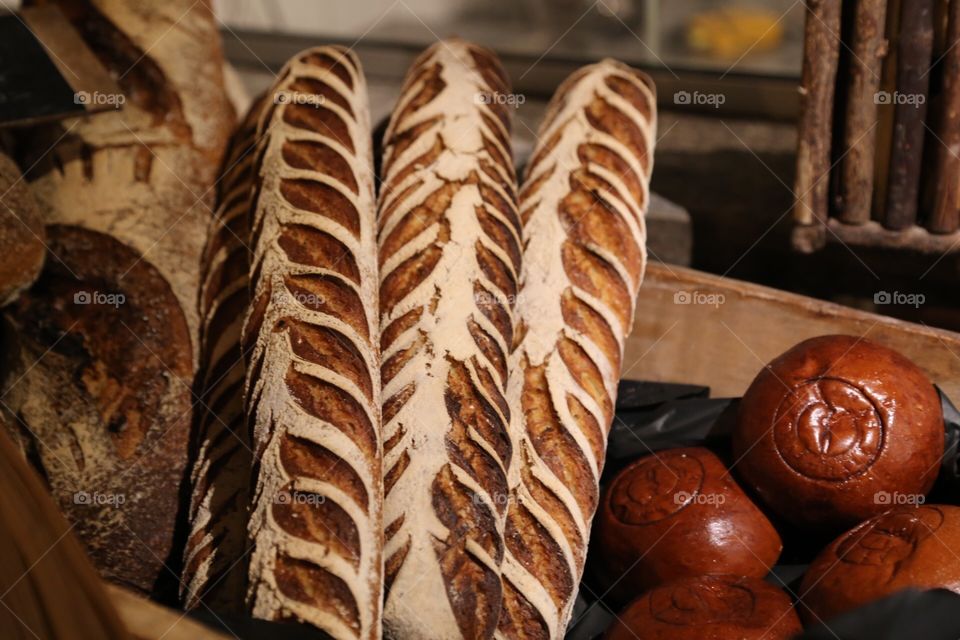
725	345
678	339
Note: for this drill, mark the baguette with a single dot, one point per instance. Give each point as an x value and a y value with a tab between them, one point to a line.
449	258
221	457
313	387
582	203
106	343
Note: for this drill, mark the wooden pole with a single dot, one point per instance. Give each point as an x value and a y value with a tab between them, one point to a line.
946	206
886	100
914	57
821	50
860	132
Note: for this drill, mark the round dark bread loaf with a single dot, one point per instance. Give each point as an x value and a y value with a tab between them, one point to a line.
904	547
22	246
708	608
836	430
677	514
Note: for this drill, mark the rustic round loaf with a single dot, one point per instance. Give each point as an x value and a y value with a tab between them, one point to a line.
904	547
709	608
837	430
676	514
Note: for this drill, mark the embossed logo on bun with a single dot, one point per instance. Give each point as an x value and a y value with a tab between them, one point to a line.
904	547
714	606
650	493
678	513
834	422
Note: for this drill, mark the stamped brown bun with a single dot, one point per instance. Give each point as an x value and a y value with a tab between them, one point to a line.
709	608
829	433
675	514
905	547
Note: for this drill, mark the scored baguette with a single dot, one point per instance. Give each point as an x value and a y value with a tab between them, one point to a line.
449	258
313	384
221	457
582	203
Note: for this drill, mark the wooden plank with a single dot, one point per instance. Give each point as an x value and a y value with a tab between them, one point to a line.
914	56
821	51
945	217
724	345
148	620
874	236
868	48
886	100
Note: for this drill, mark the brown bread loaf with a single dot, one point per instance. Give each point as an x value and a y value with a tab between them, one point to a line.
313	387
214	566
449	261
842	426
709	608
678	514
908	546
105	343
22	244
582	203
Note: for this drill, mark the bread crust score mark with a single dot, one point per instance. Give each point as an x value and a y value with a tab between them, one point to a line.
313	388
582	203
215	568
449	243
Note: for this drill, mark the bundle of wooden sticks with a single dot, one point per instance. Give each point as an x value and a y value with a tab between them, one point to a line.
878	159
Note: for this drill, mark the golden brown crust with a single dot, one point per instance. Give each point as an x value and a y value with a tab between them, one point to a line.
582	203
313	389
215	570
449	257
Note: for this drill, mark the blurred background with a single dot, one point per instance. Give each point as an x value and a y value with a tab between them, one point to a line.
727	73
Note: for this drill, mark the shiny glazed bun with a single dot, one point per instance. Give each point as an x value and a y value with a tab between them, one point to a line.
679	513
836	430
709	608
905	547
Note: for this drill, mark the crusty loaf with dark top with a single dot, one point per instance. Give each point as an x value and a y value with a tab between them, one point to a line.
313	384
22	244
449	261
583	201
107	339
215	566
